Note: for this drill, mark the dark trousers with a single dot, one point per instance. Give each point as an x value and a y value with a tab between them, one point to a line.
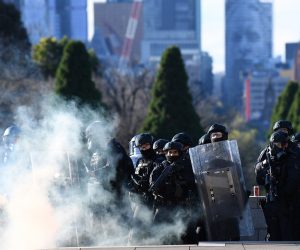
225	230
278	221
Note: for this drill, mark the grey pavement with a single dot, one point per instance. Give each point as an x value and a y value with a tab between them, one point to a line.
201	246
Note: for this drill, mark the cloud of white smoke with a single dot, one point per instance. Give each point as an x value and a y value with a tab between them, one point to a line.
48	199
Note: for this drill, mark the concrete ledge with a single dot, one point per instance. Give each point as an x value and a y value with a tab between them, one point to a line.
201	246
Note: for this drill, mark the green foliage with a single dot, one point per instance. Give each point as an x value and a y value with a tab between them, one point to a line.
48	53
294	113
171	110
249	152
284	103
12	30
74	76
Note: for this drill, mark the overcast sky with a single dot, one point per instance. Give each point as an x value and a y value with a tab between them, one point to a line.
286	28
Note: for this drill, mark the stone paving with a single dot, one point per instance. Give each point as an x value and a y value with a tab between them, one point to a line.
202	246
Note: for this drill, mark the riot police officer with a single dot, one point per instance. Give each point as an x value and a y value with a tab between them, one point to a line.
140	196
186	142
158	147
145	165
109	162
217	132
193	233
283	126
172	188
228	229
280	175
108	173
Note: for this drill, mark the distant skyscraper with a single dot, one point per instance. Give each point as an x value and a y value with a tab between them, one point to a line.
34	16
55	18
265	87
290	53
171	22
17	3
107	29
248	44
67	18
297	65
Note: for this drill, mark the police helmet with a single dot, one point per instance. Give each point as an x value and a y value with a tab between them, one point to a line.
10	135
283	124
296	137
159	144
93	128
143	139
218	128
279	137
204	139
173	145
183	138
12	131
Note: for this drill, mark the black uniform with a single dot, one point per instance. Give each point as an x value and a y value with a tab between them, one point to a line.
107	172
195	230
140	179
280	175
173	187
141	198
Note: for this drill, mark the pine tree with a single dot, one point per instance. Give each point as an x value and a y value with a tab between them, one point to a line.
171	110
48	53
12	31
74	75
294	111
284	103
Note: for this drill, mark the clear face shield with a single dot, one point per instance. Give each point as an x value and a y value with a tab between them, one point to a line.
133	149
9	141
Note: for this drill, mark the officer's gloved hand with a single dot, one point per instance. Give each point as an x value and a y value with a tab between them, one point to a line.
260	166
277	154
143	185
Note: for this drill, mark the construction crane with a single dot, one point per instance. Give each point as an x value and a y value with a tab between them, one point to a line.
130	33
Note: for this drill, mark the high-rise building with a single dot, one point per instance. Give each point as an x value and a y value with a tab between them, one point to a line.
34	16
67	18
107	29
290	53
17	3
297	64
206	74
171	22
57	18
248	44
264	88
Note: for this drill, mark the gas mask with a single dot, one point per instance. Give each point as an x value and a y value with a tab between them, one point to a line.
172	158
172	155
148	153
217	137
278	153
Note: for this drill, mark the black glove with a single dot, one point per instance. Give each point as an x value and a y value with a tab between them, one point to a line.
143	185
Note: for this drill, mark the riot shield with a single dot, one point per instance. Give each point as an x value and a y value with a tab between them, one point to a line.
220	181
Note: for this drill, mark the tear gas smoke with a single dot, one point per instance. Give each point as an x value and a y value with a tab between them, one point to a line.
46	202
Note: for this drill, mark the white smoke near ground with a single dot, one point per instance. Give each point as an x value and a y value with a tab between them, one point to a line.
45	201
